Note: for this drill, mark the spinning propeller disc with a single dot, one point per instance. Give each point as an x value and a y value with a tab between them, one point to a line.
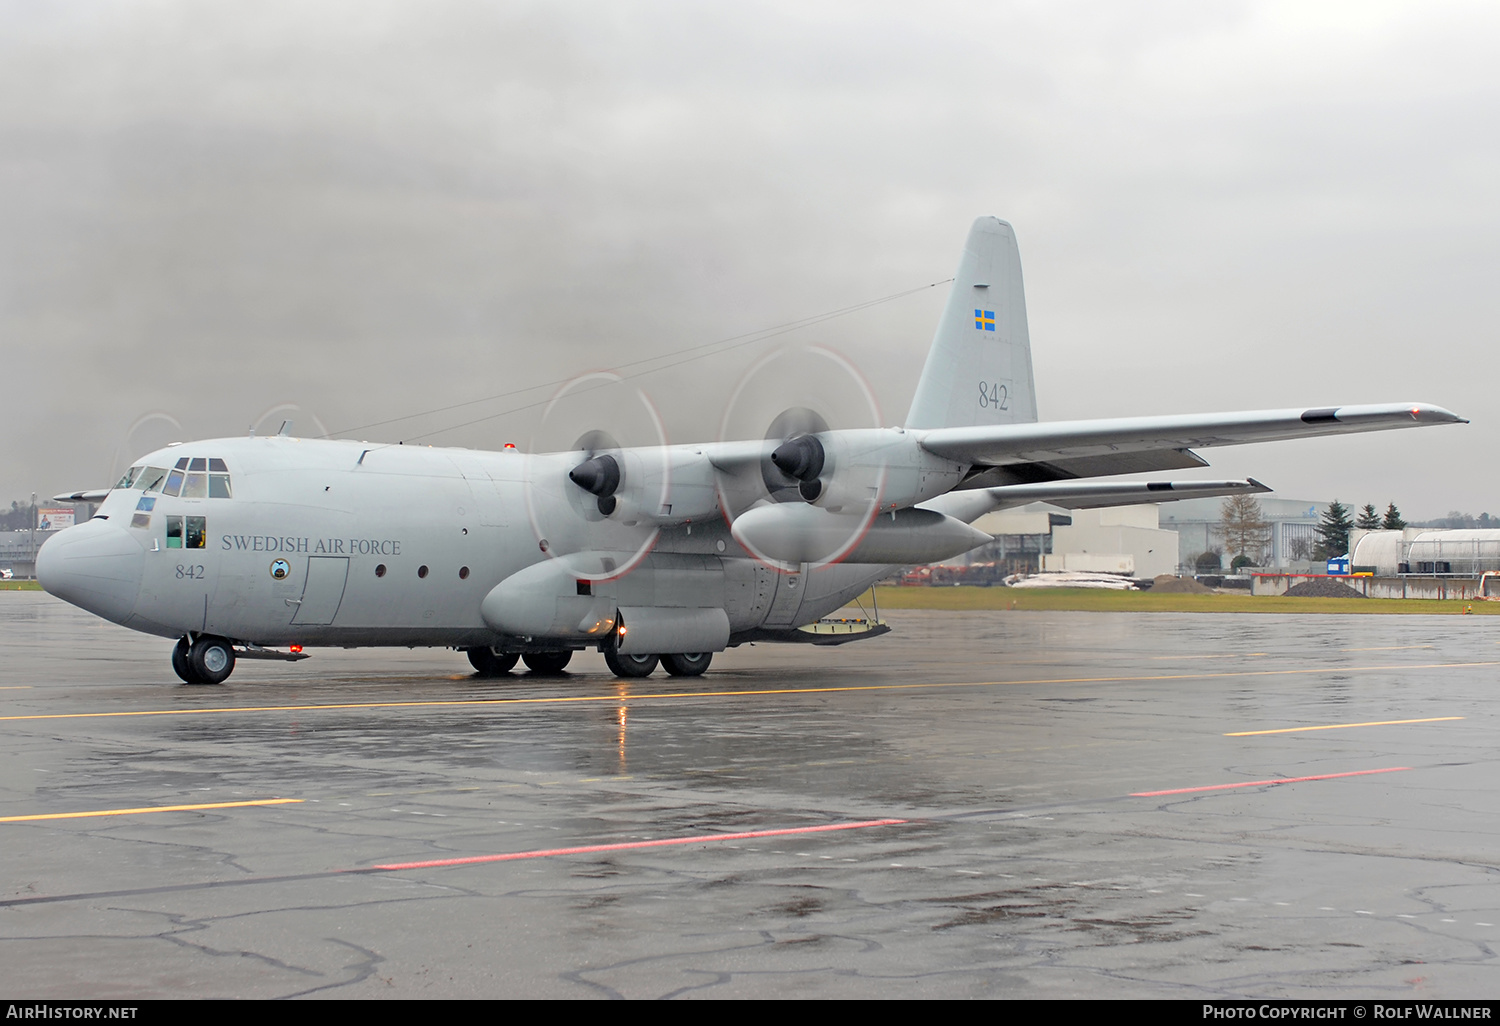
795	395
595	471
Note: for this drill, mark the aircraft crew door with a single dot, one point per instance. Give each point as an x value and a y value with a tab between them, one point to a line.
324	591
788	598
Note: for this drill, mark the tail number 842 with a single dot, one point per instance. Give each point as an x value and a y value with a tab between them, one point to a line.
994	396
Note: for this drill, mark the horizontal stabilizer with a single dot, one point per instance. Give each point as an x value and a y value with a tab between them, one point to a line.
86	495
999	445
969	506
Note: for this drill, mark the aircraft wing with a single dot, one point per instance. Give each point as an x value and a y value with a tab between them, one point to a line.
85	495
1104	442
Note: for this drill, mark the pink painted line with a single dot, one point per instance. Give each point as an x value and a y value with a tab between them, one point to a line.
586	849
1263	783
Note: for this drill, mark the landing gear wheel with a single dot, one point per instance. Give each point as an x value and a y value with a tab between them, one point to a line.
490	663
211	659
548	664
181	665
688	664
629	665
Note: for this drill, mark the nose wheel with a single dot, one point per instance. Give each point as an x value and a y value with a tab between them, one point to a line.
208	660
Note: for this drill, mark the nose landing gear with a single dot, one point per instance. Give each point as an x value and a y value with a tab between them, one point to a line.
207	660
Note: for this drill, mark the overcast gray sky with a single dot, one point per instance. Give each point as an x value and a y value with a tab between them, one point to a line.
369	210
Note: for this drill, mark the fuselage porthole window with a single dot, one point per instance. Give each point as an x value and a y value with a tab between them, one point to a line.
380	570
422	570
463	573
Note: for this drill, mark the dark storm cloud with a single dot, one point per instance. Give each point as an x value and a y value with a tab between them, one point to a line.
374	210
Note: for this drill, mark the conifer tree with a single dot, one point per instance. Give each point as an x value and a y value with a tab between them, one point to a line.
1333	531
1368	520
1392	521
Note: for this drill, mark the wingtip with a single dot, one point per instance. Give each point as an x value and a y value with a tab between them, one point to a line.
1435	414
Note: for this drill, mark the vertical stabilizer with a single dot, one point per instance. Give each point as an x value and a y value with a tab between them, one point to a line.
978	371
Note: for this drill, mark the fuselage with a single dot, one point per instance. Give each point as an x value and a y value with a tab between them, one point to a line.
277	541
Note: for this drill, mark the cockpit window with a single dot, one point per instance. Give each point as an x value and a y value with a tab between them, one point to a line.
188	479
197	532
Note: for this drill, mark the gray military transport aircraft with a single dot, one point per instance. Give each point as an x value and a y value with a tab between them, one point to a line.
652	555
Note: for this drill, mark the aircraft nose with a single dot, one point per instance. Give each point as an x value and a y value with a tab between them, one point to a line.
95	566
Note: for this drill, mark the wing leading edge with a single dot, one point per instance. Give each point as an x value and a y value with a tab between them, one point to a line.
1078	440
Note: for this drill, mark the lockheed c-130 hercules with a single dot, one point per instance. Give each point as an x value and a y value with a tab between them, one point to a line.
652	555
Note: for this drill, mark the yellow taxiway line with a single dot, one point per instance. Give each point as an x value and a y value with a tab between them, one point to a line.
152	808
619	697
1339	726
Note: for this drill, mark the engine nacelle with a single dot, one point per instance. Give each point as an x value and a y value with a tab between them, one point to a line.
544	601
792	532
879	466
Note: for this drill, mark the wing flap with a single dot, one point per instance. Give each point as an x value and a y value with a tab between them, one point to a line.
968	506
1148	462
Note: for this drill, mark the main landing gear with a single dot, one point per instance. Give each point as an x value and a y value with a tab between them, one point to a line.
547	664
679	665
207	660
490	663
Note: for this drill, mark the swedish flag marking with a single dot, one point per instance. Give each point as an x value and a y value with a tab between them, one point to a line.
984	319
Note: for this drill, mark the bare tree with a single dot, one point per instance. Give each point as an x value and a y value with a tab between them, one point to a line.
1246	530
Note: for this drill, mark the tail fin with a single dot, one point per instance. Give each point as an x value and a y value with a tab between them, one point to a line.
978	371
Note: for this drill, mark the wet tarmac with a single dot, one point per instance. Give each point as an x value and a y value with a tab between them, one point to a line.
989	776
